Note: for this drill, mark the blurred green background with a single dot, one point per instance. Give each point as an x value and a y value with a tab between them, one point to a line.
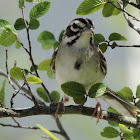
123	67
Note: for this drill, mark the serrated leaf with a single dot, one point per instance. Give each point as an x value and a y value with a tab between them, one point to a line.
97	90
126	93
138	92
108	10
73	89
32	68
113	124
7	38
2	93
90	6
55	95
34	24
3	23
80	101
42	94
124	129
98	38
19	24
29	0
136	133
47	40
138	103
110	132
128	136
117	36
16	73
110	109
18	45
103	47
39	10
34	80
47	132
21	4
50	74
61	35
44	65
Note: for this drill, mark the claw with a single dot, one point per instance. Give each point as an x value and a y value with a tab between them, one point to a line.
98	110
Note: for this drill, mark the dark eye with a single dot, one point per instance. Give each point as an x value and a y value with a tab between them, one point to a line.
90	22
75	26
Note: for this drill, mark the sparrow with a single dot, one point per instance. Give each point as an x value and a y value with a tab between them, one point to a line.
78	59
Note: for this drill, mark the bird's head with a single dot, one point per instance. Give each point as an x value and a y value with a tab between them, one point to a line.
78	29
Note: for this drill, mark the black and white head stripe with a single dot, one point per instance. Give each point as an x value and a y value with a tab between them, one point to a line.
75	28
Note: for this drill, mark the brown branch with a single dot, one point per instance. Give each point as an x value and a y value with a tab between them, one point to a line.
31	94
72	109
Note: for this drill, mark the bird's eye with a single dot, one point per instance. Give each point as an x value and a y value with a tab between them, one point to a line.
75	26
90	22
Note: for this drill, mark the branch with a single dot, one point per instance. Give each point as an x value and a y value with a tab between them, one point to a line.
130	24
132	4
72	109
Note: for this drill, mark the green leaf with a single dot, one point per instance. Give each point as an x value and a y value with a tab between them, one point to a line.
16	73
138	103
128	136
98	38
32	69
55	95
108	10
124	129
61	35
42	94
2	93
34	80
3	23
50	74
47	132
44	65
110	132
103	47
136	133
19	24
80	101
56	45
116	11
73	89
39	10
90	6
47	40
7	38
110	109
21	4
138	91
117	36
97	90
18	45
114	44
126	93
34	24
29	0
113	124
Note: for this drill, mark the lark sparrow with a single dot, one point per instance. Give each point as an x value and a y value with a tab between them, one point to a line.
78	59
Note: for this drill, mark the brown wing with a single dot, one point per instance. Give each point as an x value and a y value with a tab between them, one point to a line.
102	62
52	64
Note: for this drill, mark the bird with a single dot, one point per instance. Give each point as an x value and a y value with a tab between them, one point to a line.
78	59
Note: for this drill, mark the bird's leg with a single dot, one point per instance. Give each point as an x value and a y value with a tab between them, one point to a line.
98	110
60	105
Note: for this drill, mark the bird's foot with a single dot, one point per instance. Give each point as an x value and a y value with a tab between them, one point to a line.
99	112
60	105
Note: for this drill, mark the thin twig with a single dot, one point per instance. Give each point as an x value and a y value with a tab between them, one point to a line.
132	4
2	73
32	96
16	121
30	55
15	94
130	24
124	11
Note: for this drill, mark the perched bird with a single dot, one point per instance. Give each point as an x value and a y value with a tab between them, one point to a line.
78	59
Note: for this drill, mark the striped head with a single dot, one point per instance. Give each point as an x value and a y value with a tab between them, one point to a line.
77	28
